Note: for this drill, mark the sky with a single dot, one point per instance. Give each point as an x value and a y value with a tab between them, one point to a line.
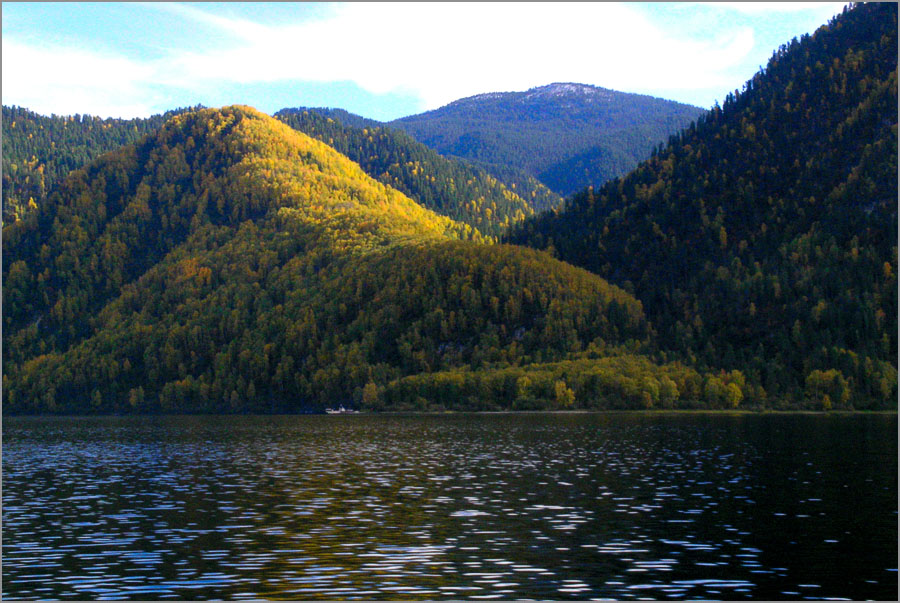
380	60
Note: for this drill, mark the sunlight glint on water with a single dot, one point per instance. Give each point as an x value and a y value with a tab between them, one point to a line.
466	506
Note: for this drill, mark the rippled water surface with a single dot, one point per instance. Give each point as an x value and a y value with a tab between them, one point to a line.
465	506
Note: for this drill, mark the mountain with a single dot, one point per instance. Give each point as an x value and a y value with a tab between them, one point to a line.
40	151
342	116
568	136
564	135
228	263
447	186
764	237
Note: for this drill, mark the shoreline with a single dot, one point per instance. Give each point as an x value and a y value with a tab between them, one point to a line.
667	411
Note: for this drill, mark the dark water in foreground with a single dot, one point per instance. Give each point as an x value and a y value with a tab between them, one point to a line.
464	506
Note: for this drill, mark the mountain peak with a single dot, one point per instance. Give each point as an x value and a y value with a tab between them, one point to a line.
559	89
554	91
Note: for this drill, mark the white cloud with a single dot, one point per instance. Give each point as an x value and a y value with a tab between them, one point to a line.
444	51
438	52
72	80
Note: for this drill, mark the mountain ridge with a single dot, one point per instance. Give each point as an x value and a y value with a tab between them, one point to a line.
447	186
555	89
552	90
516	134
32	163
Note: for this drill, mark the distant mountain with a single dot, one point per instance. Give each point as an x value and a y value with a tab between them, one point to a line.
228	263
540	132
764	238
447	186
40	151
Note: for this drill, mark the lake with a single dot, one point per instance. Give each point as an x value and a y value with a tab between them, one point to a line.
551	506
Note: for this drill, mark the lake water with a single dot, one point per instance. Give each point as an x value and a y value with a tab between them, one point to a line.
558	506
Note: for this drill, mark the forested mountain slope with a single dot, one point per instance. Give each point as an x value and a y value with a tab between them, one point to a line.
227	263
342	116
447	186
568	136
765	237
39	151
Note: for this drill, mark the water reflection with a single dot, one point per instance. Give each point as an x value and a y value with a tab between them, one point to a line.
626	506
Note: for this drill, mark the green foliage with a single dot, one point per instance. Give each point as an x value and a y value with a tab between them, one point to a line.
226	262
110	222
827	388
341	116
229	263
764	237
204	320
38	151
568	136
615	382
448	187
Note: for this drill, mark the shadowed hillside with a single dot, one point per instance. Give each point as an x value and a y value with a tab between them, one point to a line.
39	151
765	237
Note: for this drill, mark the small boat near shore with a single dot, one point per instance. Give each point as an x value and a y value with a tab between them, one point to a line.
341	411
